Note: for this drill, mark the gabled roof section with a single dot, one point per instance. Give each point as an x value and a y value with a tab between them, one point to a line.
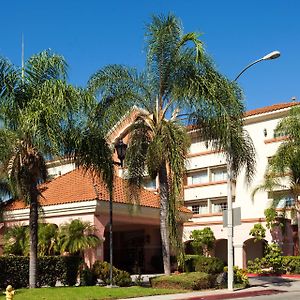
79	186
271	108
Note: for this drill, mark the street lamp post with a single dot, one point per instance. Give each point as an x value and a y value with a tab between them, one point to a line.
120	148
272	55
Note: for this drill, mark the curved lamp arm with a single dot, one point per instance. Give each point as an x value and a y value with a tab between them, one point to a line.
272	55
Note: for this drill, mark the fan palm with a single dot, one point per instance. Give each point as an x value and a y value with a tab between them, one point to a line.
77	236
40	112
282	175
16	240
179	86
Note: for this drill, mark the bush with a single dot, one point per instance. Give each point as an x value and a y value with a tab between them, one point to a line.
272	262
15	270
101	271
291	264
210	265
87	277
190	262
240	276
186	281
69	269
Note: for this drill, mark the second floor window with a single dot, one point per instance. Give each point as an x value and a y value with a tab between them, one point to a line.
219	175
218	207
199	177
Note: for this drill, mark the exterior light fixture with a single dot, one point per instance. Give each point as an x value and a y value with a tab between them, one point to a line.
120	147
265	132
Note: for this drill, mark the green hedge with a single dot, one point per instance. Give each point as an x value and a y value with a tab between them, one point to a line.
187	281
15	270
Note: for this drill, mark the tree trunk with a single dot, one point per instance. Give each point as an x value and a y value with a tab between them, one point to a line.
164	226
298	232
33	226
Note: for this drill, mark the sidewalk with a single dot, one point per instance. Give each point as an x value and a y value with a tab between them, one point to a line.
258	286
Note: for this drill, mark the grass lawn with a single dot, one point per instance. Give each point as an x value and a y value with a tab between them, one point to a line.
88	293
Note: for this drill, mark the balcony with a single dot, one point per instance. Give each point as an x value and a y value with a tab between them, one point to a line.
207	190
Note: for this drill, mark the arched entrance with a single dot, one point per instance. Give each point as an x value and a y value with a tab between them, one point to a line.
253	249
220	249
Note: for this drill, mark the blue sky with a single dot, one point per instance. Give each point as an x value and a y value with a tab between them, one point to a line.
91	34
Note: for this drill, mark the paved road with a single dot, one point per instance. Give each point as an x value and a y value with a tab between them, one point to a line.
276	288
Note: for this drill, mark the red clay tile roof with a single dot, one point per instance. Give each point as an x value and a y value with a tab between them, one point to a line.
270	108
78	186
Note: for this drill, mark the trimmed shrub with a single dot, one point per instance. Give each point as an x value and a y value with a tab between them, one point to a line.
15	270
291	264
70	269
210	265
101	271
87	277
190	262
186	281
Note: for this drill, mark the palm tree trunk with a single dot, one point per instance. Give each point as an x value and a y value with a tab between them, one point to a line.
298	233
33	226
164	229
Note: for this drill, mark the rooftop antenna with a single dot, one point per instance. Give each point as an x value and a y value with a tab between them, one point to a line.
23	58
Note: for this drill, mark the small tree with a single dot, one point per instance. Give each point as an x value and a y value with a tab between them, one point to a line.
203	240
77	236
258	232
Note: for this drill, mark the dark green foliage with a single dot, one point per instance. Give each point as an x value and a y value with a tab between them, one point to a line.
87	277
70	267
187	281
210	265
101	271
190	262
14	270
48	270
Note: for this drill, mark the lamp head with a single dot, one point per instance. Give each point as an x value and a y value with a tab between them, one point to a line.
272	55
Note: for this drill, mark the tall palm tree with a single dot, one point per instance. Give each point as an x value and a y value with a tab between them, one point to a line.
40	114
282	175
77	236
179	86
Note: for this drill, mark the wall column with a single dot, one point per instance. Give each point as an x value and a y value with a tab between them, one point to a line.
238	255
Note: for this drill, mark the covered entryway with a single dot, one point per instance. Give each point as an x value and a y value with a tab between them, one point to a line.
220	249
253	249
136	249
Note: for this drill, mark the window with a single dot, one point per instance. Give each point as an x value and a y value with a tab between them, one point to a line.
218	207
149	184
219	175
285	202
200	208
199	177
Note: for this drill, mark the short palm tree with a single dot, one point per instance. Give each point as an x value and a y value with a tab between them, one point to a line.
179	86
47	238
282	175
77	236
39	113
16	240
